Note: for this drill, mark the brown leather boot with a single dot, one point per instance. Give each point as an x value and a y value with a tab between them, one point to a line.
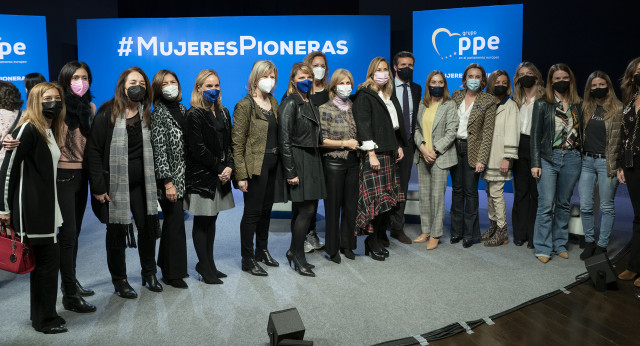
400	236
493	226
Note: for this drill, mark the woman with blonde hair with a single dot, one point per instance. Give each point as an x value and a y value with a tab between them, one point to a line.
504	149
556	133
299	131
341	165
209	168
29	200
381	131
528	86
435	134
629	161
254	139
602	119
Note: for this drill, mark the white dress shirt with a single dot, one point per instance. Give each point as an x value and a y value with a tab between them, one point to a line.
463	115
526	112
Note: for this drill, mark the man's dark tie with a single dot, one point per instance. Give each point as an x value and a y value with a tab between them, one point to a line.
405	110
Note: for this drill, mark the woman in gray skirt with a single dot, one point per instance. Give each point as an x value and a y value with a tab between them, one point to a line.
209	168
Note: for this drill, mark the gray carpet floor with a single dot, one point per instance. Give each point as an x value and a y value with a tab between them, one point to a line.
356	302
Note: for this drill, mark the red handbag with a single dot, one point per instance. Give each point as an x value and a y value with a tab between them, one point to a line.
15	256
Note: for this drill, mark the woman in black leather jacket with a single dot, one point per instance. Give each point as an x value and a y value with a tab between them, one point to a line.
209	168
555	160
299	130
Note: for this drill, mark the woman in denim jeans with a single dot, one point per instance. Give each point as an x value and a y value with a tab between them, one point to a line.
555	160
602	116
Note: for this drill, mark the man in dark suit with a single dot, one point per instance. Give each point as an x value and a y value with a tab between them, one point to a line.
408	95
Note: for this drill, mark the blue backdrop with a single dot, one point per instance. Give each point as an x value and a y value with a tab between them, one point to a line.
449	40
229	45
23	49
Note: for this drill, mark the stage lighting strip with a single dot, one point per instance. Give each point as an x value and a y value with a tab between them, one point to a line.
460	327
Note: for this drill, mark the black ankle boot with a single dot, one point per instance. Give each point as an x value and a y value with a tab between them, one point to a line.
371	247
265	257
251	265
152	283
588	251
85	292
77	304
348	253
124	290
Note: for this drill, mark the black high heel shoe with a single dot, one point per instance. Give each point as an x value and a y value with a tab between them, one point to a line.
151	281
289	255
265	257
376	254
300	267
206	278
335	258
348	253
384	252
124	290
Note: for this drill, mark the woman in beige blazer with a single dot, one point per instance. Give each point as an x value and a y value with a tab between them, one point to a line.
436	128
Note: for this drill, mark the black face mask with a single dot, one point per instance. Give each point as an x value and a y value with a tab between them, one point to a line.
527	81
599	92
636	79
561	86
136	93
500	90
436	91
51	109
405	73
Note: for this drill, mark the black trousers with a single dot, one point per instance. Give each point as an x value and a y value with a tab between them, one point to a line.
172	254
405	165
340	206
464	200
44	287
72	191
116	259
632	176
258	201
525	199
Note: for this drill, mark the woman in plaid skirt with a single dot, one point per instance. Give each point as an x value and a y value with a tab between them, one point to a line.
380	129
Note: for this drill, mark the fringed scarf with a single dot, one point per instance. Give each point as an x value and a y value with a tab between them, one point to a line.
120	228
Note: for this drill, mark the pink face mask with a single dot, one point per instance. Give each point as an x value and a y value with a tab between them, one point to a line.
80	87
381	78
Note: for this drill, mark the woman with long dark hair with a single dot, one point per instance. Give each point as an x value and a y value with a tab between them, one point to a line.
629	160
299	131
167	139
381	131
121	173
556	161
29	200
209	168
75	78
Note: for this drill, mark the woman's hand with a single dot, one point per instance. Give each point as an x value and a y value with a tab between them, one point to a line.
102	198
400	154
9	143
171	192
479	167
243	185
225	176
351	144
373	160
536	172
504	165
621	176
5	219
293	181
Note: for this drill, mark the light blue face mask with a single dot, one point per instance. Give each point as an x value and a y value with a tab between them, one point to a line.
473	84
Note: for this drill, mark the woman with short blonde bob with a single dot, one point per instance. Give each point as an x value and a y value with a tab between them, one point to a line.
504	149
556	133
435	134
528	86
602	118
341	166
299	131
381	131
29	173
209	168
254	139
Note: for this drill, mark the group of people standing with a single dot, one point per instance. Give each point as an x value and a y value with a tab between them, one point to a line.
355	151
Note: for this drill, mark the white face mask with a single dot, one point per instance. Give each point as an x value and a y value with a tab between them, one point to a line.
343	90
170	92
266	85
318	73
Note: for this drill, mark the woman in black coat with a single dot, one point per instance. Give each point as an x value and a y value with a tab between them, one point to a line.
381	131
29	194
167	139
121	173
209	168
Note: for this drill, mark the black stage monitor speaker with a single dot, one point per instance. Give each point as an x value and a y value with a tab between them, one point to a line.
600	271
285	324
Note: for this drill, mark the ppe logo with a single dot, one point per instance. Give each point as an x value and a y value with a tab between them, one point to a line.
462	44
7	48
